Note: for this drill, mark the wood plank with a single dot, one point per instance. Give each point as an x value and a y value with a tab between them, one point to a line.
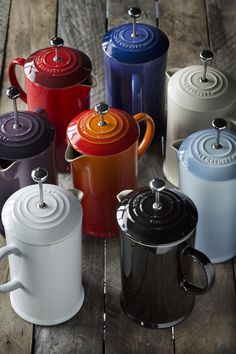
26	34
117	12
15	333
184	22
84	332
121	334
82	24
222	33
4	16
211	326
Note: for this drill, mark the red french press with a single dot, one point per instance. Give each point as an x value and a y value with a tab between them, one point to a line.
57	79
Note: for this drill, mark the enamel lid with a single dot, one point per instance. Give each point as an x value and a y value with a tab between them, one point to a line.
102	131
155	216
187	89
57	66
32	137
24	220
200	154
135	43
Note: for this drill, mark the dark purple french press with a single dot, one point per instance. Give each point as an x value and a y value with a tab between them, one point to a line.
135	56
157	255
26	142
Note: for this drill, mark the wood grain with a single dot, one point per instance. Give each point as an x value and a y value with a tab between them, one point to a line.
4	17
117	12
84	332
32	25
184	22
122	335
82	24
211	326
222	33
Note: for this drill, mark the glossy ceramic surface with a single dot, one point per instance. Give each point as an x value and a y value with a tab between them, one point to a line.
208	177
157	257
191	106
60	87
104	160
45	247
23	149
135	70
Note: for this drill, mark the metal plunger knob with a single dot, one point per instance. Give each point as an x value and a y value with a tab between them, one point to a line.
57	42
206	56
134	13
157	185
13	93
101	108
40	175
219	124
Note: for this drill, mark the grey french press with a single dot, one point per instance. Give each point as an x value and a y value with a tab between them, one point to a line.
157	255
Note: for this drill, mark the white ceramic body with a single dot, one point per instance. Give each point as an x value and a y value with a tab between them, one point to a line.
51	290
216	205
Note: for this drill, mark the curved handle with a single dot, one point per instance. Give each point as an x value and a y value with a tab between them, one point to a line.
14	283
12	76
208	268
137	93
150	129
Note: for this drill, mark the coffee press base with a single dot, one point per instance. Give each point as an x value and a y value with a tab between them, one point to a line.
156	325
47	322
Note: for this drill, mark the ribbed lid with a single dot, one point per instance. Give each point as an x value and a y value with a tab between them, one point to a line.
32	137
187	88
145	224
58	66
199	155
135	43
25	221
102	131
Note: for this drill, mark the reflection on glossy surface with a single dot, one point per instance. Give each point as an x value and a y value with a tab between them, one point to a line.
151	276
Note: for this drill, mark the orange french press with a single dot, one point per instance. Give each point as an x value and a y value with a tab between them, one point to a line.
103	150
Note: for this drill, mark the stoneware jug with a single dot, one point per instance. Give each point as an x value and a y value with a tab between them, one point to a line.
157	255
26	141
195	95
57	79
103	151
207	161
135	56
43	234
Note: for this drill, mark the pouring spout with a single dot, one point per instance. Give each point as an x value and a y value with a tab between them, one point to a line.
122	195
176	144
89	82
71	154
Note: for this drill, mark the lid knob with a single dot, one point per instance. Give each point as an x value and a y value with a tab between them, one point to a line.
101	108
13	93
57	42
219	124
157	185
134	13
206	56
40	175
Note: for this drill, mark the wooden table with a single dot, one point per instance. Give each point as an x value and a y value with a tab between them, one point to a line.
100	326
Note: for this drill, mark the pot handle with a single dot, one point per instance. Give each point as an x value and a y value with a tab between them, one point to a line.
150	128
137	92
208	268
14	283
13	78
